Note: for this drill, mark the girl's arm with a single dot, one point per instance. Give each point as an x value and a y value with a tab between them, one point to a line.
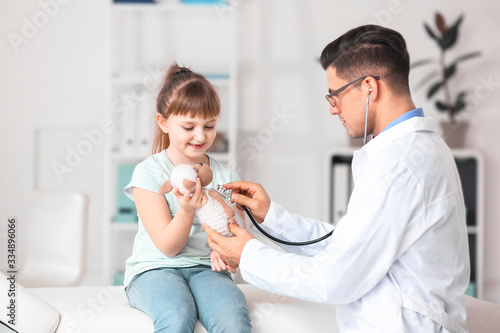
169	235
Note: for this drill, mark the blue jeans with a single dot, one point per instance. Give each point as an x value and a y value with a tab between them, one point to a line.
175	297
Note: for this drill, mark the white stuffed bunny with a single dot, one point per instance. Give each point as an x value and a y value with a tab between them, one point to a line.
216	211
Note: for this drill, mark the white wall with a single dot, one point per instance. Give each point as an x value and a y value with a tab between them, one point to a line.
54	79
58	81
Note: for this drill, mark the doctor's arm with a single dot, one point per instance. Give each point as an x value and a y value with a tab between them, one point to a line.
276	220
364	245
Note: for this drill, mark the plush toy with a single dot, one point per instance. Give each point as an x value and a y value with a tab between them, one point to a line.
216	211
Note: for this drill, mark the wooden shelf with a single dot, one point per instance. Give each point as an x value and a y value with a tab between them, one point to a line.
165	7
124	226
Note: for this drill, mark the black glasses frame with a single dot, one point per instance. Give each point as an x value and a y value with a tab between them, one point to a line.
329	97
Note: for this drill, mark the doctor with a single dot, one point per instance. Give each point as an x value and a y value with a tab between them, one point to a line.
398	260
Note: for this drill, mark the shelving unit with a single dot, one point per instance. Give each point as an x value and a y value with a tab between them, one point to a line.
144	40
470	167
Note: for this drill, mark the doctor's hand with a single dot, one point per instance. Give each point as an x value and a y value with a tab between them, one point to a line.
229	248
251	195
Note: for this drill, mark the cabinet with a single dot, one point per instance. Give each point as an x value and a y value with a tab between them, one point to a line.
144	40
470	167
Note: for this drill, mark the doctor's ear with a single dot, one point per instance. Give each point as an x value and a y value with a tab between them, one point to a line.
373	85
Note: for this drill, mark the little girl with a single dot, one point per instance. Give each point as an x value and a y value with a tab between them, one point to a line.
172	275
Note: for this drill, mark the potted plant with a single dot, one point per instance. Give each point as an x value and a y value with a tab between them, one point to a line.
453	102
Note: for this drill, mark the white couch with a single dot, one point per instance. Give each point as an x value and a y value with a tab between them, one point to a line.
106	310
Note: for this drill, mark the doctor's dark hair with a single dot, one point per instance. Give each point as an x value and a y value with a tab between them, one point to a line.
370	50
186	93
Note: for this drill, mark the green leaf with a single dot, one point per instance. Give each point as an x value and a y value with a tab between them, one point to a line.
451	35
467	56
434	89
459	104
425	80
452	68
442	107
450	71
422	62
430	32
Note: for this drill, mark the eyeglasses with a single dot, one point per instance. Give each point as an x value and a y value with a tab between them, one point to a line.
329	97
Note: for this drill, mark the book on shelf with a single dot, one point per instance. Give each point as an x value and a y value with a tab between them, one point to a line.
205	2
125	208
471	290
134	1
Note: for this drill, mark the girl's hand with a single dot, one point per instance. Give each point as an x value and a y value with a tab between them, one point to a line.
190	202
218	264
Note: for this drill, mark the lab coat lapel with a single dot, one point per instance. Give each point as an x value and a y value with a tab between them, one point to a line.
379	143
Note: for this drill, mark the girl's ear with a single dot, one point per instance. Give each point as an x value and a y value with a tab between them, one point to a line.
162	122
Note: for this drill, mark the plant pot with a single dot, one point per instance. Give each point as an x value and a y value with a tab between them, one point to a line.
454	133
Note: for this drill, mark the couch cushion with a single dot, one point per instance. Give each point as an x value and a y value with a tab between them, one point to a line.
106	309
482	316
95	309
273	313
27	312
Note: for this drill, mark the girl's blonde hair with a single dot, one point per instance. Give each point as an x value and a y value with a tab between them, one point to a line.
184	92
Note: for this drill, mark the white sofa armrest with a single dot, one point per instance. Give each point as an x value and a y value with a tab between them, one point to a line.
23	311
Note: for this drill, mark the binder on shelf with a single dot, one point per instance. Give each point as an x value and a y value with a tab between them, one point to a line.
217	76
341	186
127	122
118	278
134	1
471	290
145	125
125	208
205	2
342	175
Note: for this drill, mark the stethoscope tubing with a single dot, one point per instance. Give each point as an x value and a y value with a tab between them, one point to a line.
277	240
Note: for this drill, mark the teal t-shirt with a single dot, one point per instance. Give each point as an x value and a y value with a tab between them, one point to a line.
150	174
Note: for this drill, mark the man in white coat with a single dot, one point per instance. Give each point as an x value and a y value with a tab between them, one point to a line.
398	260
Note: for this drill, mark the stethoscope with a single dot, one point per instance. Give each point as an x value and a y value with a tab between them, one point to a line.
366	114
226	194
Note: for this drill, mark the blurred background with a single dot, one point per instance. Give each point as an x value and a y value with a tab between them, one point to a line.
78	80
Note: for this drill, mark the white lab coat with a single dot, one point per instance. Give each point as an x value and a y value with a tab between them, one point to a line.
398	260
